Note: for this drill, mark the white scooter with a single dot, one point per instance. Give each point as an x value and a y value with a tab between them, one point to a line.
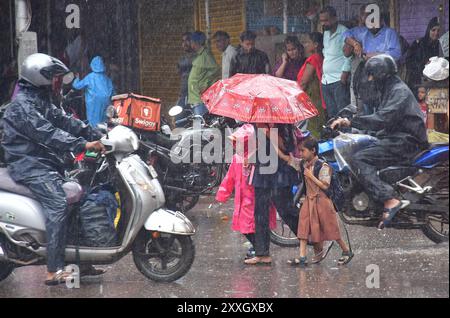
159	239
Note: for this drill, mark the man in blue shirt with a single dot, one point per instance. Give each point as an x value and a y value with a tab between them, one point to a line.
336	67
372	40
369	41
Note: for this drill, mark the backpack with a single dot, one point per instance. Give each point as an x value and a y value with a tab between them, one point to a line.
93	223
335	191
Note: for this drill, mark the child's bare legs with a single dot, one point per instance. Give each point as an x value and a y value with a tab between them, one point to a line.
343	245
303	245
347	254
318	248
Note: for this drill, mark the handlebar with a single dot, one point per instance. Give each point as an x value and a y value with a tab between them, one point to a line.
182	121
328	133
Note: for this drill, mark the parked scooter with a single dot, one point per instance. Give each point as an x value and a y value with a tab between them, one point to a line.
425	183
185	179
159	239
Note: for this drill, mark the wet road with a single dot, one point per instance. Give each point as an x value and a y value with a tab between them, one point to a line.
409	266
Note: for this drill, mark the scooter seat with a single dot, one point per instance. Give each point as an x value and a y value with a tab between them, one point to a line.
162	140
74	192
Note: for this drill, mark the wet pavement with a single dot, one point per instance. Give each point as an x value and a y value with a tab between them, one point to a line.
409	265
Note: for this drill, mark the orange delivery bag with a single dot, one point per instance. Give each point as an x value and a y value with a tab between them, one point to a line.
136	111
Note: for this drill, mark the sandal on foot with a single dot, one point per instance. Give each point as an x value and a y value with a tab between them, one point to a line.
391	213
266	260
322	255
298	262
251	253
345	258
59	278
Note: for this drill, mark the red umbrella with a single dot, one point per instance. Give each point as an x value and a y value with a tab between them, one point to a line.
259	99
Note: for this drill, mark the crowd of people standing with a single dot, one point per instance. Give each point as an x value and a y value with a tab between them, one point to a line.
329	67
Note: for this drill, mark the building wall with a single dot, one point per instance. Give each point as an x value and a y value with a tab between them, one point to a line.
258	19
349	10
225	15
416	14
162	24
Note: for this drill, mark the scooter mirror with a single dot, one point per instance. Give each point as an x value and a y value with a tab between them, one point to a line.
68	78
175	111
111	112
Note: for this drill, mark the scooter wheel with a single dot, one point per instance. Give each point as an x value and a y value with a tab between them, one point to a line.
163	257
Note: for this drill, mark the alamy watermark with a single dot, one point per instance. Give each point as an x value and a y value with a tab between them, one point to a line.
373	20
73	281
373	279
212	146
73	17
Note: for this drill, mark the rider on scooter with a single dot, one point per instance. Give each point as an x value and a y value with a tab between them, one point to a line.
397	123
36	134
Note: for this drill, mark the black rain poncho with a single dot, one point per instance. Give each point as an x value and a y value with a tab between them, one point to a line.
397	121
37	133
399	126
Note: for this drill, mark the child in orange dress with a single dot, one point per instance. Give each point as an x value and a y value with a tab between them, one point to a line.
318	218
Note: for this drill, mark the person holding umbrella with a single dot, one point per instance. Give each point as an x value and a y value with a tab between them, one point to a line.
273	188
273	105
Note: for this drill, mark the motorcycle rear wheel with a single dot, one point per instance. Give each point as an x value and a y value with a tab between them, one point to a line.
434	234
437	229
282	235
156	258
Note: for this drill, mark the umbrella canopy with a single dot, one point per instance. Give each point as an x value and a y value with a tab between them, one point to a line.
259	99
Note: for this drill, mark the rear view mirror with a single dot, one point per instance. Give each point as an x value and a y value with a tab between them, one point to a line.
111	112
175	111
68	78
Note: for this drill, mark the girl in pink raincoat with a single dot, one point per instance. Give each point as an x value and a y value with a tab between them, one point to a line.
237	179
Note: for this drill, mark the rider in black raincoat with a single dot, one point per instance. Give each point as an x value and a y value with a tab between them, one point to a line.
36	134
397	123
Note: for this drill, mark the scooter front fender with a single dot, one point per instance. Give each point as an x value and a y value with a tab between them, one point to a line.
167	221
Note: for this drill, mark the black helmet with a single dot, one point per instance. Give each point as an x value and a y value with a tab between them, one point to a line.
381	67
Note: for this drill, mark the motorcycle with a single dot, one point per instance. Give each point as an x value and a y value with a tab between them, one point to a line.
185	179
159	239
424	182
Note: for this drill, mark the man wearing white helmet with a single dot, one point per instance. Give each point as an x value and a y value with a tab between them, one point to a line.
36	134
